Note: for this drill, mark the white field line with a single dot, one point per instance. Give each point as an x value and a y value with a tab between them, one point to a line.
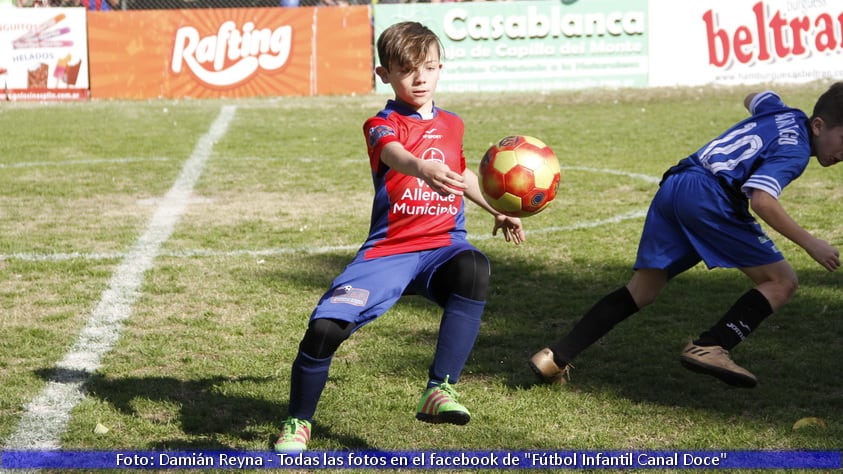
46	416
57	257
30	164
643	177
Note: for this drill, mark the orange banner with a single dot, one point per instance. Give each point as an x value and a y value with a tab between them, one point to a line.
206	53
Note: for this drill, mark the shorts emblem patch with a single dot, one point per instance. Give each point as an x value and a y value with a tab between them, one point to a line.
349	295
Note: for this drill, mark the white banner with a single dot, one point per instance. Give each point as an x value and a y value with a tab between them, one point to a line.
43	53
745	41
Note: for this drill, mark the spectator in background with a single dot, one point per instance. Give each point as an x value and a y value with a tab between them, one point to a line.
32	3
101	5
10	3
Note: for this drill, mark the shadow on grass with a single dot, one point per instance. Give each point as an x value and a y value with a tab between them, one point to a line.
531	305
203	410
795	353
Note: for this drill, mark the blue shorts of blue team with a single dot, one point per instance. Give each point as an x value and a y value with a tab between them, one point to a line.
692	219
368	288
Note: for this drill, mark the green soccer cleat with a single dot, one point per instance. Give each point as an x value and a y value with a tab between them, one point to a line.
439	405
295	434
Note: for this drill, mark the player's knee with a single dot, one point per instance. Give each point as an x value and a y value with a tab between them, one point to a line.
467	275
643	299
786	283
779	291
646	285
324	336
788	287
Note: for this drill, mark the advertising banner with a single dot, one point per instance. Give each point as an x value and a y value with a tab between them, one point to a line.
43	54
247	52
745	41
533	45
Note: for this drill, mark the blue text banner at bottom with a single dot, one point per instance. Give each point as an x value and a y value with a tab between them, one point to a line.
446	460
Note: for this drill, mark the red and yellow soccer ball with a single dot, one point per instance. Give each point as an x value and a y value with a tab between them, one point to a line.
519	175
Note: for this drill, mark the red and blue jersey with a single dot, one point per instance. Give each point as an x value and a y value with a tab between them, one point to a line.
407	215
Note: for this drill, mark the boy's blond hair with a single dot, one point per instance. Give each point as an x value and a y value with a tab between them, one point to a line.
405	45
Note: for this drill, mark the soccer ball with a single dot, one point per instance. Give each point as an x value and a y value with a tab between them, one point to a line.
519	175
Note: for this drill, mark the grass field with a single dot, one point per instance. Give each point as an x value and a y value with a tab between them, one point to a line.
161	259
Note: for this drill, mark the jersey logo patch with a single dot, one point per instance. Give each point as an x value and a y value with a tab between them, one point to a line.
430	134
350	295
431	154
378	132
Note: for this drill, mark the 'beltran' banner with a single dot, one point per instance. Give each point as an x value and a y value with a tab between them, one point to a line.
745	41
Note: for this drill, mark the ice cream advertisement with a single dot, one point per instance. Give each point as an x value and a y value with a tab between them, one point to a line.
43	54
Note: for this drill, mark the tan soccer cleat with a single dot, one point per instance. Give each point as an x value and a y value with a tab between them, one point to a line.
545	368
715	361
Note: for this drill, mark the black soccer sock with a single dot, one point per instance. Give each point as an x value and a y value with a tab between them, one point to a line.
600	319
742	318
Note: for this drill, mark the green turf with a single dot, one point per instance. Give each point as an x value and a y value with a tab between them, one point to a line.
203	361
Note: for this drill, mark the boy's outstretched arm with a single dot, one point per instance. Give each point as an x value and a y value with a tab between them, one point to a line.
511	227
437	175
771	211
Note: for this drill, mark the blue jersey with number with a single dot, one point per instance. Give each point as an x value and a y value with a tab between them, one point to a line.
700	211
766	151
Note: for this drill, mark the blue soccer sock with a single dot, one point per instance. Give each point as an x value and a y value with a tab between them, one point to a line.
457	333
307	380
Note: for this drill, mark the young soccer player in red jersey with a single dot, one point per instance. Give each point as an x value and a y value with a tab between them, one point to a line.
417	238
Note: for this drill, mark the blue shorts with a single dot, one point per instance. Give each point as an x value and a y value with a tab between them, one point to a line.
368	288
692	219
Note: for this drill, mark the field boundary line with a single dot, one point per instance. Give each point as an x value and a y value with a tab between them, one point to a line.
58	257
33	164
313	250
641	176
47	415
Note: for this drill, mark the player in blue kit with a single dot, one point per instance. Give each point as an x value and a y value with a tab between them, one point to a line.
417	238
701	213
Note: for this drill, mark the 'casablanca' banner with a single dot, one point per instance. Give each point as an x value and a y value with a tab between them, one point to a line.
533	45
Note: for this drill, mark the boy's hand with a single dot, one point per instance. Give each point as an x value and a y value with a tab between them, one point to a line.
442	179
825	254
511	227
